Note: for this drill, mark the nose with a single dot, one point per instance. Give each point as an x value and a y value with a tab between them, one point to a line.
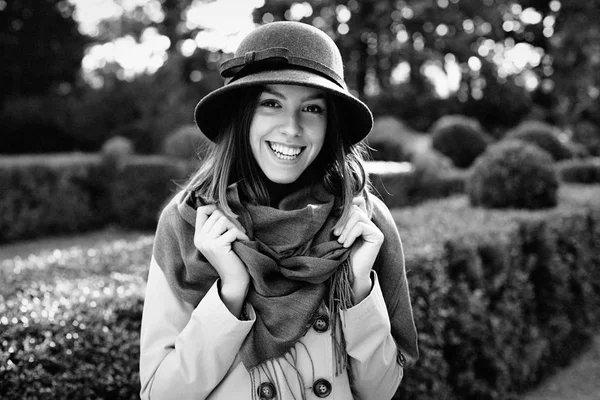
291	125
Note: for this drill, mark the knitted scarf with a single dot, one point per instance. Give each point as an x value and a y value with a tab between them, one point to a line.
294	261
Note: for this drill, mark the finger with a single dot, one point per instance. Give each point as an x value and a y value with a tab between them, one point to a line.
360	203
357	231
356	216
202	214
220	226
232	235
212	220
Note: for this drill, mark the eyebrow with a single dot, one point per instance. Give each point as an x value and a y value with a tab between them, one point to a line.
317	96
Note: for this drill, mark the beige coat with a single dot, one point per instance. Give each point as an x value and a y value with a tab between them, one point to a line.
191	353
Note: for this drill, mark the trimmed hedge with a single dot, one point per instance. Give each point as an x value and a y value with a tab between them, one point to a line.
513	174
400	188
460	138
44	195
141	189
543	135
580	171
56	194
501	299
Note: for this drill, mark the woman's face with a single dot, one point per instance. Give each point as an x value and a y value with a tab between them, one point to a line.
288	130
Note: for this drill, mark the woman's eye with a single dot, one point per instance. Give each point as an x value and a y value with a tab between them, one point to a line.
313	108
269	103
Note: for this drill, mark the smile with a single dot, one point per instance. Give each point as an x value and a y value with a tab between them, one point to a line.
285	152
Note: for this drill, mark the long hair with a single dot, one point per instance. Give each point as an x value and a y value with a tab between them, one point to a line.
230	159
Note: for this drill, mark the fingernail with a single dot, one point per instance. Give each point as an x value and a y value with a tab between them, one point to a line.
336	231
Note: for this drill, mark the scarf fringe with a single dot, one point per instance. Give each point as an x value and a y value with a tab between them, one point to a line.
340	298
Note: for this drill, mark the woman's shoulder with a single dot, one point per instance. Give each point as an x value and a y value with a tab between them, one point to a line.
177	210
380	213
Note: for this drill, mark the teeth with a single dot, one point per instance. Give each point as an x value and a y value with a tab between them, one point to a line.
285	152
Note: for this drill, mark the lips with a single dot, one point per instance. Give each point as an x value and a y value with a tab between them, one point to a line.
285	152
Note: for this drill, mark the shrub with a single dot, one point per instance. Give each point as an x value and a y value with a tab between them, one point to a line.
141	188
115	151
435	177
501	298
541	135
460	138
391	181
44	195
580	171
588	134
513	174
186	142
390	140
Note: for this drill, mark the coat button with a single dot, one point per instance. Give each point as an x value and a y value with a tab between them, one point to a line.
322	388
266	391
321	323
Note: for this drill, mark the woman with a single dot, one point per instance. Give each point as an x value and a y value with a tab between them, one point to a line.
275	273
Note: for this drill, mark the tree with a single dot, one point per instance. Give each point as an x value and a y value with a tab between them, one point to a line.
41	46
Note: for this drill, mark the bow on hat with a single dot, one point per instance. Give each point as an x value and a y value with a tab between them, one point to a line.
275	55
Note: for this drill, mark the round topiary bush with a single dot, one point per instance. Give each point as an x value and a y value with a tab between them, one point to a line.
542	135
460	138
186	142
588	134
388	139
115	150
513	174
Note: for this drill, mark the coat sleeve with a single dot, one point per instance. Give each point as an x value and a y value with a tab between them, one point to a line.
380	332
372	351
186	351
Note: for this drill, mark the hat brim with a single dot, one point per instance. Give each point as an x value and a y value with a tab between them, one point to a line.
215	105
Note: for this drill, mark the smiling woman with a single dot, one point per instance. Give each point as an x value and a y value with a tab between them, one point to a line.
270	276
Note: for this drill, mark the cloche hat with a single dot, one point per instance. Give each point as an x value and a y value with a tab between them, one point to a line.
285	53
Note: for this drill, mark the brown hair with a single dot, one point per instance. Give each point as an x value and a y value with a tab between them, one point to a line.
231	160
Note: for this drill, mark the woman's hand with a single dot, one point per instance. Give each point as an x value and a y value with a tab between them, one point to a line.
213	237
367	239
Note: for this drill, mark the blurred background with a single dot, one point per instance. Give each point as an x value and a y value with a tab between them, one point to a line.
76	73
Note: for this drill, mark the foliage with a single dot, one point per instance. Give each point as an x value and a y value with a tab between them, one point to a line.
500	299
588	134
36	124
513	174
141	188
390	140
417	108
460	138
186	142
586	171
70	321
542	135
65	193
430	176
41	47
117	147
43	195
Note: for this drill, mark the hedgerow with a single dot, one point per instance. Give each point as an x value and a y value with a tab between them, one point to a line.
500	298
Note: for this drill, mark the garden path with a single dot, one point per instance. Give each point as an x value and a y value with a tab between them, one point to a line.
578	381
